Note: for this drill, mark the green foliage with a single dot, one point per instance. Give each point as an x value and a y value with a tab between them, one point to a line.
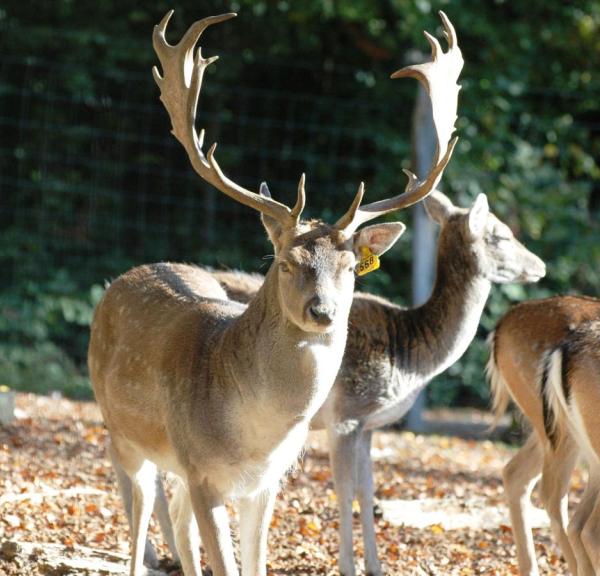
91	182
43	333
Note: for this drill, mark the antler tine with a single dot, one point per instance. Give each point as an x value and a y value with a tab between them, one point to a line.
438	77
344	222
449	31
180	86
435	45
300	199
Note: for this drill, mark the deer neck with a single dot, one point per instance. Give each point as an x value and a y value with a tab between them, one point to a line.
438	333
283	369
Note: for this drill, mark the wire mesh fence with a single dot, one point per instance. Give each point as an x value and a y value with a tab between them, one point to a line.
96	180
92	182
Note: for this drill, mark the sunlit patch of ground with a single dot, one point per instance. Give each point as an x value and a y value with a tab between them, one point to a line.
440	498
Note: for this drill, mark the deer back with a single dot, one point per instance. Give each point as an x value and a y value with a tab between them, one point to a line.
526	334
151	332
239	286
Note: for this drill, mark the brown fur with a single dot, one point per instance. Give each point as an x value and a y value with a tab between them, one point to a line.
534	361
582	375
239	286
520	344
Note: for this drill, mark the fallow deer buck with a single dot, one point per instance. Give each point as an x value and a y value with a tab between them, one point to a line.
222	394
539	359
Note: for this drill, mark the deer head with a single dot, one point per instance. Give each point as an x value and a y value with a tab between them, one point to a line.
500	257
314	261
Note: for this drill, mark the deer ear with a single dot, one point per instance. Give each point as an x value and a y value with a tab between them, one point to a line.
438	206
378	238
271	225
478	215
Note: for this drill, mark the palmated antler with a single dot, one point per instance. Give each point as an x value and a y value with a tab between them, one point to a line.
439	80
180	87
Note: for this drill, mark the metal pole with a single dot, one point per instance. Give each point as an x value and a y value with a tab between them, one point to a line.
424	233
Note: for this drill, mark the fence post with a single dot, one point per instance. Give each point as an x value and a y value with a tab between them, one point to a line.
424	234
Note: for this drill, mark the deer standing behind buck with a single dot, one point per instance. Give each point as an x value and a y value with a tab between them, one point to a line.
219	393
393	352
544	355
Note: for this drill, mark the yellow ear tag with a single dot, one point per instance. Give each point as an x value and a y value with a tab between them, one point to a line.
368	261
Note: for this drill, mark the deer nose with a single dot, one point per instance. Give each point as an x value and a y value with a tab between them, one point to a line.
535	270
540	267
321	311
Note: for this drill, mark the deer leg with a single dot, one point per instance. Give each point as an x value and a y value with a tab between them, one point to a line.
213	522
126	491
255	518
342	451
143	483
186	537
364	492
520	475
554	485
590	536
161	509
578	521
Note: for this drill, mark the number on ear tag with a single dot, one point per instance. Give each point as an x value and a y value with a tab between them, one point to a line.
368	261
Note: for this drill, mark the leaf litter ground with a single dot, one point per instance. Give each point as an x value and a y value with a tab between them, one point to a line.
440	506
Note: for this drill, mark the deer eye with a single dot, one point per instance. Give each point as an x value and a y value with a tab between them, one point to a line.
284	267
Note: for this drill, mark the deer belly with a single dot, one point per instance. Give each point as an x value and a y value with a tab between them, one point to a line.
395	406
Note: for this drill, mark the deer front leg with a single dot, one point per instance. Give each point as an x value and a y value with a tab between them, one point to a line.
213	522
186	535
143	483
343	457
578	521
161	509
255	518
590	537
520	476
365	500
125	490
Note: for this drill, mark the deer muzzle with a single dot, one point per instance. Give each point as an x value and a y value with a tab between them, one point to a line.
321	311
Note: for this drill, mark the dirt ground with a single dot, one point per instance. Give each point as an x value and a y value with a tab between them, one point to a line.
440	503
